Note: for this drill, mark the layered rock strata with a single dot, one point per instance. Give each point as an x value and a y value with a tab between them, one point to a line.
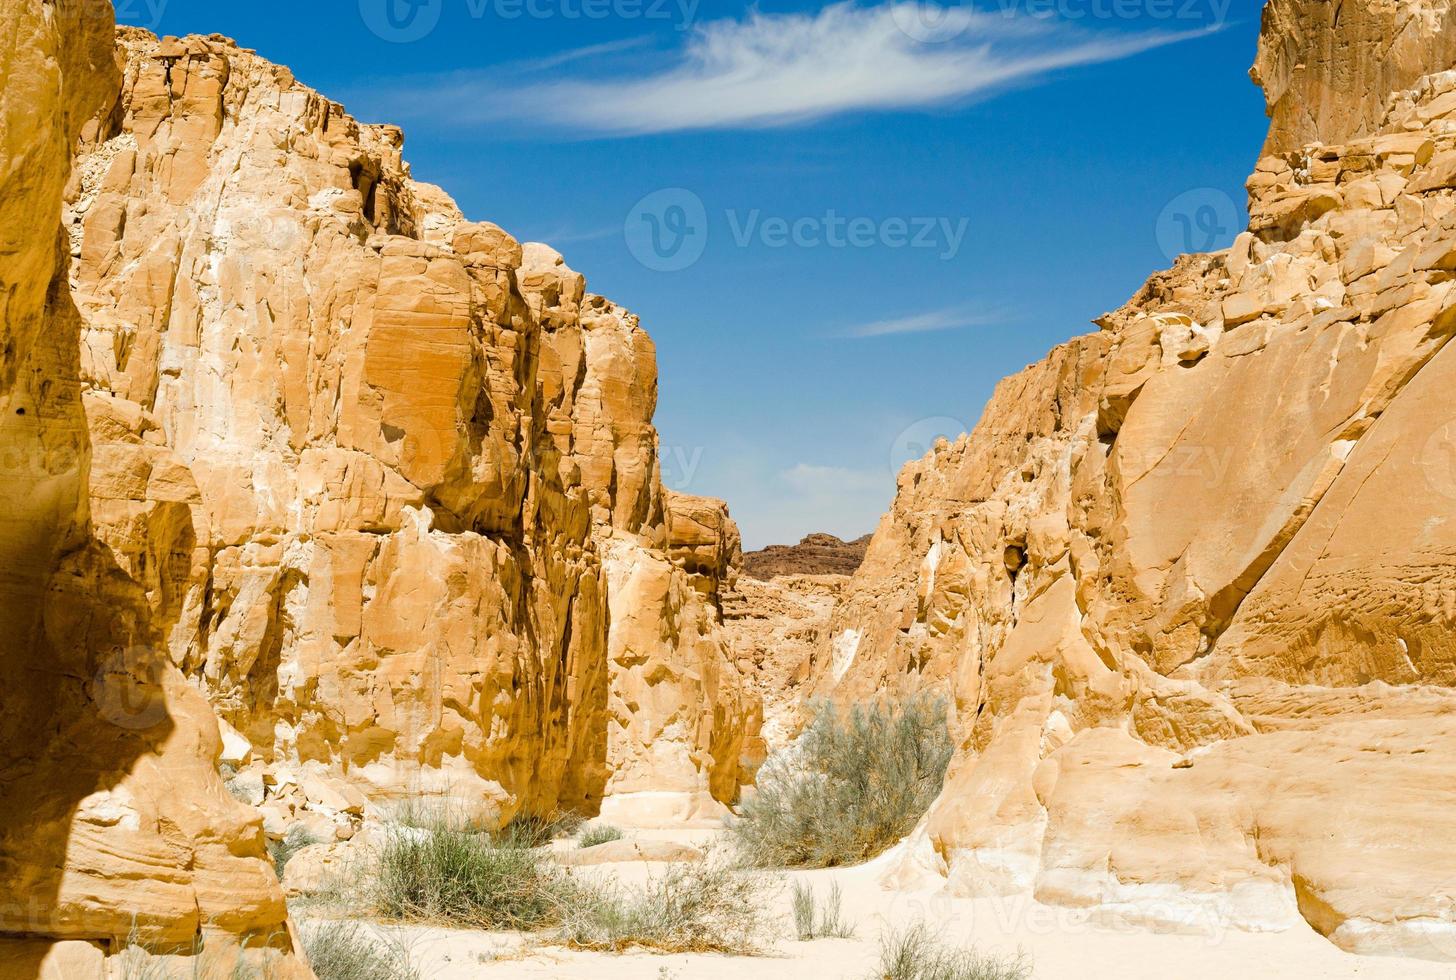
816	554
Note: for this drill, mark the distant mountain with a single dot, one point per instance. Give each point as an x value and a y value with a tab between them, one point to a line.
817	554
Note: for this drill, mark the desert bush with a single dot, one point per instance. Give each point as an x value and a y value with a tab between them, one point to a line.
914	954
600	834
852	786
704	907
282	851
812	922
421	812
466	878
535	830
524	829
346	951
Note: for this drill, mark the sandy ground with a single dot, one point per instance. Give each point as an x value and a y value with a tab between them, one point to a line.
1060	943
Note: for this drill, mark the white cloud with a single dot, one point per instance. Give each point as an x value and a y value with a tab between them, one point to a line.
575	236
582	54
952	319
776	70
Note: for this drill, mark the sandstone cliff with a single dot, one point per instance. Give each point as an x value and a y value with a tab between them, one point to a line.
415	461
115	827
378	483
1191	582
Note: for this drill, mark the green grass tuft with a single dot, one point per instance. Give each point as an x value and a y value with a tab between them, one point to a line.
534	830
914	954
347	951
467	878
600	834
811	922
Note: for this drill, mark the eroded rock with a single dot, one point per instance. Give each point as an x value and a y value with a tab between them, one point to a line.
1190	583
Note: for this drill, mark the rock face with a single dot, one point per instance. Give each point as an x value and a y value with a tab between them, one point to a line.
774	629
817	554
115	826
413	461
1328	68
1191	582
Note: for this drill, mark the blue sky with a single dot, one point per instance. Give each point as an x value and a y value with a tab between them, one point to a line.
841	223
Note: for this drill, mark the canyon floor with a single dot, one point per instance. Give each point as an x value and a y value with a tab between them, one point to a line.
1060	943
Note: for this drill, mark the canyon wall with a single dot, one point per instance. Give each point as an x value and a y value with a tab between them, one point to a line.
1190	584
115	827
310	483
431	552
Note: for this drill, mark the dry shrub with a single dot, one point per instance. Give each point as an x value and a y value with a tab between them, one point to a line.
347	951
811	922
852	786
704	907
447	874
915	954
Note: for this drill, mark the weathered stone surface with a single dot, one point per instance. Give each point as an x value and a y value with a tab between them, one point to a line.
115	828
816	554
703	540
1328	69
414	458
1190	584
775	627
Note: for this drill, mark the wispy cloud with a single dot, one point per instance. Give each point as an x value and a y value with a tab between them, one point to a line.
956	318
770	70
583	54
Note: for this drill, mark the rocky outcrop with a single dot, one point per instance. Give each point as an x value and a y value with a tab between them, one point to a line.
421	545
1328	69
774	628
1191	582
116	829
816	554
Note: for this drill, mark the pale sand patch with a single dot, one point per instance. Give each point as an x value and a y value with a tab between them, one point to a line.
1060	942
